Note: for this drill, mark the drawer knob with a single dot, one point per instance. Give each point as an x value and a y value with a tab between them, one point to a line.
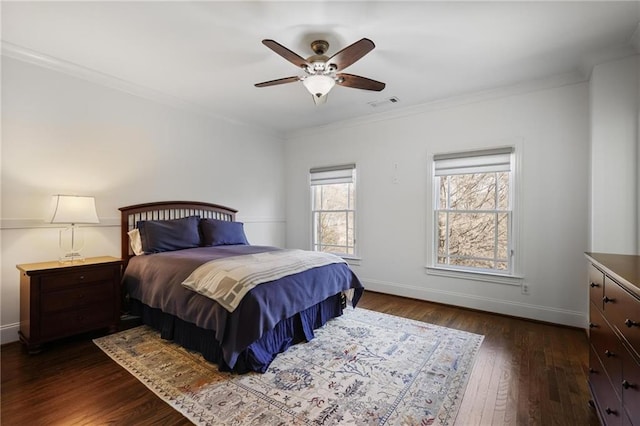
608	353
629	323
607	300
82	277
610	411
595	285
627	385
592	325
592	371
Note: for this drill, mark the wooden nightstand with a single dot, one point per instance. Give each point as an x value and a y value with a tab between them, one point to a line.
63	299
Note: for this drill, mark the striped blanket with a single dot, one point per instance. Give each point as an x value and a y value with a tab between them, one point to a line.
227	280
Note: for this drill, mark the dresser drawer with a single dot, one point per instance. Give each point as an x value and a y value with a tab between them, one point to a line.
55	282
77	297
623	312
67	323
631	386
614	357
606	399
607	346
596	286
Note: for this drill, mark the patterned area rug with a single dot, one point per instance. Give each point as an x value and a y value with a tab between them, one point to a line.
363	368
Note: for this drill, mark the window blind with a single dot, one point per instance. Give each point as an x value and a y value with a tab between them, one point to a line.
332	175
481	161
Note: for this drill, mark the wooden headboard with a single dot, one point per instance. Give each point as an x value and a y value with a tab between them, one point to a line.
164	210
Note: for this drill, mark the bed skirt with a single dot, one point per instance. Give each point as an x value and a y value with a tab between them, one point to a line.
259	355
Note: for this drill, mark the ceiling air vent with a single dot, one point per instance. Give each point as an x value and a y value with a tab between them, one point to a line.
388	101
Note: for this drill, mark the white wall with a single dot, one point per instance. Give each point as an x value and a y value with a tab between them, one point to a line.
550	129
615	143
62	134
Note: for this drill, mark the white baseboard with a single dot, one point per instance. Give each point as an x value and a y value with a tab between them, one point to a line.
9	333
505	307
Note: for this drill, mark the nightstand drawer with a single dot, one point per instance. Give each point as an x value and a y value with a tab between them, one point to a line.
56	282
71	322
77	297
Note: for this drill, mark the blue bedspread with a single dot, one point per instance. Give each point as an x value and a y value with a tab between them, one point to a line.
155	280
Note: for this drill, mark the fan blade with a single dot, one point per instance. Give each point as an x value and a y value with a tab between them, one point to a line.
278	81
290	56
357	82
352	53
319	100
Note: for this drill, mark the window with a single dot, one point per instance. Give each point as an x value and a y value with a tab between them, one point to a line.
333	209
473	213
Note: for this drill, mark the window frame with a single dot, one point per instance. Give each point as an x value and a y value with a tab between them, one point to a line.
329	170
513	275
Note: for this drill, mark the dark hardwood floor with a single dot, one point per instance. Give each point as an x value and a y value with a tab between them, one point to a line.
526	373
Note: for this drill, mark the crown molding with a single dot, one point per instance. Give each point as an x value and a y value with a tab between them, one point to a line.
551	82
33	57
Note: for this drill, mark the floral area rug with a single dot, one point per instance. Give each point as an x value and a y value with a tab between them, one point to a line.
363	368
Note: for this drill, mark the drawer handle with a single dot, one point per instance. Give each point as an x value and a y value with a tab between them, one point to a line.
82	277
629	323
592	371
592	325
610	411
607	300
595	285
627	385
608	353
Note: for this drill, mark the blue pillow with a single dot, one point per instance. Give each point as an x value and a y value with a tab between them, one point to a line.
168	235
221	232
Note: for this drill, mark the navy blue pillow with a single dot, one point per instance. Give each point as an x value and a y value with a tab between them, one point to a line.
221	232
168	235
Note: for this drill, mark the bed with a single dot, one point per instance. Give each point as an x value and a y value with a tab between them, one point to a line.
162	252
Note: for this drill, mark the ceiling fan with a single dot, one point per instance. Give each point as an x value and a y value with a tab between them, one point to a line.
321	72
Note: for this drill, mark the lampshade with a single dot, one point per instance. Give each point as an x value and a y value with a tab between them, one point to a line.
73	209
318	85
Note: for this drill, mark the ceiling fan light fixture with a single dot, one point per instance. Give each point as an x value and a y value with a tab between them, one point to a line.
319	85
322	73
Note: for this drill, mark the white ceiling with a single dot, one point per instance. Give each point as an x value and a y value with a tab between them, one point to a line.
208	55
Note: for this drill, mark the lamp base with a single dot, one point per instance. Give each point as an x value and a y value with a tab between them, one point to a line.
73	257
71	244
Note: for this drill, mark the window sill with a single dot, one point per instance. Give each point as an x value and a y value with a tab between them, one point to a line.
475	276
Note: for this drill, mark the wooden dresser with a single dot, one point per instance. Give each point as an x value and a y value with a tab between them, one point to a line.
63	299
614	334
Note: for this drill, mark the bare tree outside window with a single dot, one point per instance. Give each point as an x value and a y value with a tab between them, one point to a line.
473	214
333	217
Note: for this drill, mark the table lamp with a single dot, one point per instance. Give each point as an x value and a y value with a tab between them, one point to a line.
72	210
